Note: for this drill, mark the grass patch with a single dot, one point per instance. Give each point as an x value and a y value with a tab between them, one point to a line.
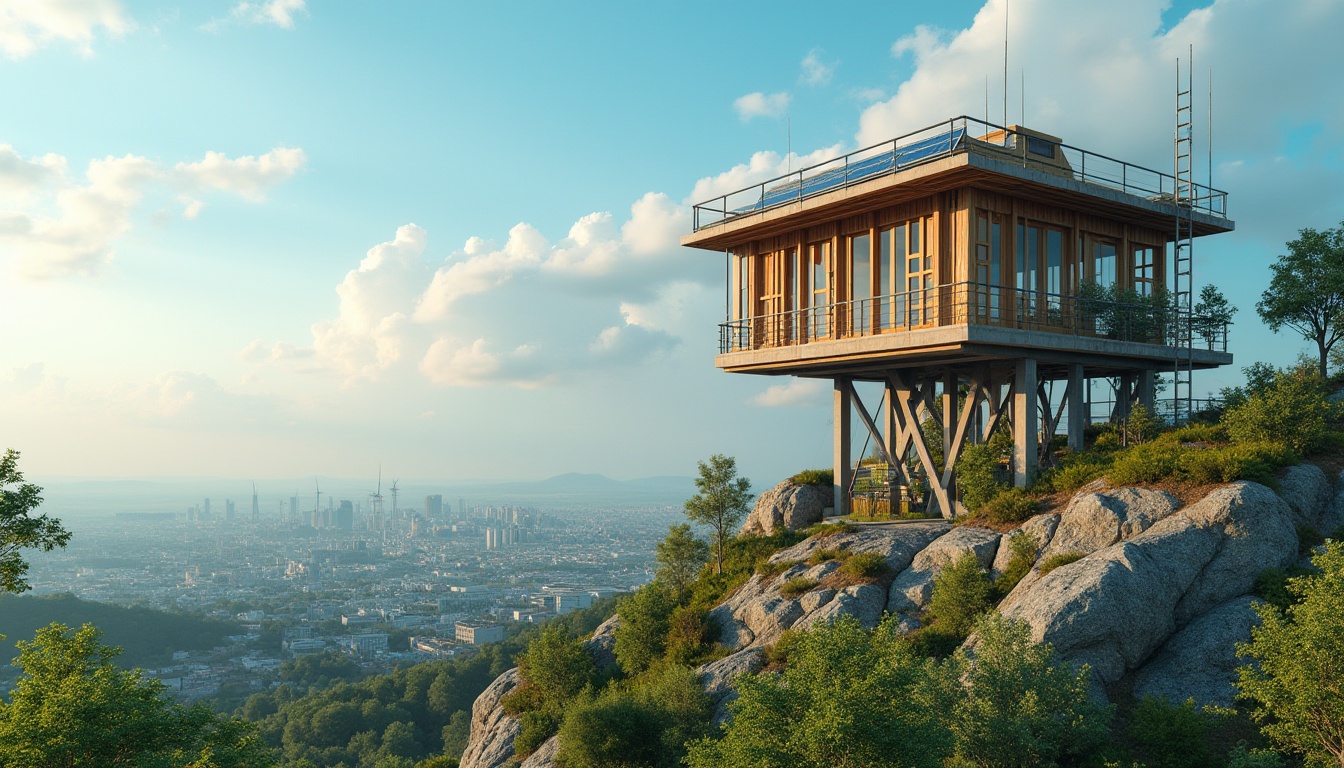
814	477
1056	561
822	530
820	556
864	566
768	569
1022	555
797	586
1011	505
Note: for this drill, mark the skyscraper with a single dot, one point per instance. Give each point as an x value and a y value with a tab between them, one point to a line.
434	506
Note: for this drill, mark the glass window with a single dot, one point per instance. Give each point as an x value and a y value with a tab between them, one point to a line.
860	283
819	255
1103	264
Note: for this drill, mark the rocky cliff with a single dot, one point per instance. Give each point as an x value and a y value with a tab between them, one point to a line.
1160	595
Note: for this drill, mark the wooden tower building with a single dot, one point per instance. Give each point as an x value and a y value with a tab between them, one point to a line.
969	269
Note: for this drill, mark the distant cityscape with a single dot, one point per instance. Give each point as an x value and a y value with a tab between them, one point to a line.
376	579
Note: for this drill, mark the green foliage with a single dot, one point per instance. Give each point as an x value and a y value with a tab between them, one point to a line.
822	530
557	666
1125	314
847	698
743	556
1242	757
1212	314
1011	505
1057	561
977	467
1296	680
820	556
1021	556
961	594
1141	426
824	477
1168	458
1172	735
72	706
1293	410
534	728
319	669
641	638
1078	469
1017	707
721	500
680	557
864	566
147	636
1271	585
689	635
644	727
797	586
1306	290
19	528
767	568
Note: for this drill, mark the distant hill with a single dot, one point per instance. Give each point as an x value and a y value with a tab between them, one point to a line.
147	636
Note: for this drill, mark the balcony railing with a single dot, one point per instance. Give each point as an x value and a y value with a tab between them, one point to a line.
1152	322
957	136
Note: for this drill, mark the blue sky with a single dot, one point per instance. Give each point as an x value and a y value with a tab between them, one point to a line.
279	238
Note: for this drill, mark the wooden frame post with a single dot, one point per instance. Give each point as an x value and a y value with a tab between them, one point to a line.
1025	423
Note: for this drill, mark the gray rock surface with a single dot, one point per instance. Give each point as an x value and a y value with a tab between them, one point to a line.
862	601
602	645
544	757
789	506
1200	661
718	677
1307	490
912	588
1094	521
492	731
897	543
1115	607
1040	528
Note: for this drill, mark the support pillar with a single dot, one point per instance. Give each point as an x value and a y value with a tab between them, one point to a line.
949	414
841	459
1025	422
1074	394
1124	397
1147	394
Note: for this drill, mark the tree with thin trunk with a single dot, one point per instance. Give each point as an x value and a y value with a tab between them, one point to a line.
721	501
19	527
1306	291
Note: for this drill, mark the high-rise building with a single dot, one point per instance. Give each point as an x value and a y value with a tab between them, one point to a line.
344	517
256	507
205	510
229	510
434	506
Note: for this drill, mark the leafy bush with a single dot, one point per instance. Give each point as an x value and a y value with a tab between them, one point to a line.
1056	561
767	568
743	555
1271	585
1294	410
556	667
977	468
777	654
1170	735
961	593
1011	505
796	586
824	477
865	566
536	728
644	726
641	637
1075	471
1147	463
822	530
1022	555
1243	757
689	635
820	556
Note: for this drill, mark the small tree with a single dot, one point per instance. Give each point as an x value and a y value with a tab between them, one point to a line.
1213	313
19	529
1297	680
641	637
722	499
1306	291
680	555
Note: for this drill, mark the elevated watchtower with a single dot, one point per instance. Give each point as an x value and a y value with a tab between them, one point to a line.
965	267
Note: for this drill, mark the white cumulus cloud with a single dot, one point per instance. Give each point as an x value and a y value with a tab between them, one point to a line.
26	25
759	104
815	71
794	392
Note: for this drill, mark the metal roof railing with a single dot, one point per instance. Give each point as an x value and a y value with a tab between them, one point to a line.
951	137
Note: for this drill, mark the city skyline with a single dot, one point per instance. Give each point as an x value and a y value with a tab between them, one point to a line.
276	239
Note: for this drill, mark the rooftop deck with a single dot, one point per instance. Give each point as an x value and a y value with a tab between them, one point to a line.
962	136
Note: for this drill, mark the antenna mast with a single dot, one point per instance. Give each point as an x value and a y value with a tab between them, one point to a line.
1183	244
1005	65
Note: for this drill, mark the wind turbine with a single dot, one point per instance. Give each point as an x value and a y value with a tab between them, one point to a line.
394	499
377	502
317	504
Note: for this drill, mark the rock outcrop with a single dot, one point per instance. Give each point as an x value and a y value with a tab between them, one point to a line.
1094	521
1200	661
1307	490
1115	607
789	506
911	590
492	730
718	677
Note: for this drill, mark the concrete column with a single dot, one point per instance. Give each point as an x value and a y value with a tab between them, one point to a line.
1077	419
1026	427
1124	397
1147	394
949	412
841	459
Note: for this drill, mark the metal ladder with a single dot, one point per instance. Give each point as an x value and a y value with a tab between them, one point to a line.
1184	244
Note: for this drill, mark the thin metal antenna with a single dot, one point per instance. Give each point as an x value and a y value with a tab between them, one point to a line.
986	98
788	132
1005	64
1022	91
1210	137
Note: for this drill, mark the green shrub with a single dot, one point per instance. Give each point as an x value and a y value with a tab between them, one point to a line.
641	637
647	725
1055	561
820	556
961	593
767	568
1199	433
1075	471
977	468
1172	736
536	728
556	666
1294	409
865	566
1022	555
689	635
777	654
1242	757
822	530
1271	585
933	642
1147	463
796	586
1011	505
824	477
